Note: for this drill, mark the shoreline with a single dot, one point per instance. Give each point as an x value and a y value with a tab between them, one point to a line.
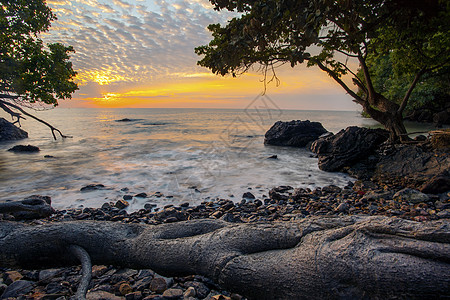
283	204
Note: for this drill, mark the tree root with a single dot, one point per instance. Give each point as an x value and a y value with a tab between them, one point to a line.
86	270
316	258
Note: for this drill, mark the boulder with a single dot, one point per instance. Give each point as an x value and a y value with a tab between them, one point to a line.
24	148
33	207
9	132
347	147
410	195
294	133
414	166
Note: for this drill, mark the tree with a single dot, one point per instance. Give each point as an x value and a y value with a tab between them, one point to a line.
330	34
31	72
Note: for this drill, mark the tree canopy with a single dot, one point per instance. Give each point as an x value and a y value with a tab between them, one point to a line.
330	34
31	72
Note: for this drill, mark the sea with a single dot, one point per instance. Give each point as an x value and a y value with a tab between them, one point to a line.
173	155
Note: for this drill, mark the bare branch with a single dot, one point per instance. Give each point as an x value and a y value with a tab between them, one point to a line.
7	104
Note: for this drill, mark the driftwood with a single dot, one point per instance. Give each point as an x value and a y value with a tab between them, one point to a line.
33	207
316	258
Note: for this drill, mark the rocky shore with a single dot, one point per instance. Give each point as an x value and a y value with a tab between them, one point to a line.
382	193
282	203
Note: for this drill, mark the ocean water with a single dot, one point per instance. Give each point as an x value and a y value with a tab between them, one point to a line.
188	155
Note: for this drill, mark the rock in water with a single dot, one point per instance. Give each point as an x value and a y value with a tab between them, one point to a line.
347	147
23	148
294	133
9	132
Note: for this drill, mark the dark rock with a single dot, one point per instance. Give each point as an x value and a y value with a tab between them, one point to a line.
273	157
141	195
33	207
412	166
441	140
23	148
12	276
17	288
436	185
200	288
125	120
127	197
248	195
9	132
294	133
410	195
158	285
92	187
347	147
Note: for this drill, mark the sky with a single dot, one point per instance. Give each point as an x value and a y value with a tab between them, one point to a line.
140	53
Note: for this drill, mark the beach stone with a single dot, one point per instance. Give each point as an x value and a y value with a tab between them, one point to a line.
376	196
201	289
102	295
11	276
24	148
125	288
347	147
158	285
248	195
127	197
173	293
294	133
220	297
98	271
92	187
17	288
411	195
190	292
121	204
10	132
141	195
343	207
50	274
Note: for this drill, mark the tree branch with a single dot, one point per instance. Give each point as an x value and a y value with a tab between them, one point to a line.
4	104
411	88
333	75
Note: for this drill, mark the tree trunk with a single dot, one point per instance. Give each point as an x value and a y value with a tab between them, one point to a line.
315	258
390	118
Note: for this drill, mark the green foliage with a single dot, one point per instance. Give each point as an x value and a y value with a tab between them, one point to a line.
432	90
29	69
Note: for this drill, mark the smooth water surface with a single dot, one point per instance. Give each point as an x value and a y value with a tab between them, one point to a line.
186	154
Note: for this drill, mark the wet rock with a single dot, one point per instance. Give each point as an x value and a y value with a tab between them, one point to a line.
125	120
343	207
127	197
92	187
248	195
273	157
124	288
9	132
98	271
294	133
410	195
24	148
142	195
121	204
347	147
17	288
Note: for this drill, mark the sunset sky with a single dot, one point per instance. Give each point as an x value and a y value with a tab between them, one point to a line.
140	53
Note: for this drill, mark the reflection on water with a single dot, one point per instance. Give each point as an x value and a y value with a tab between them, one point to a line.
186	154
